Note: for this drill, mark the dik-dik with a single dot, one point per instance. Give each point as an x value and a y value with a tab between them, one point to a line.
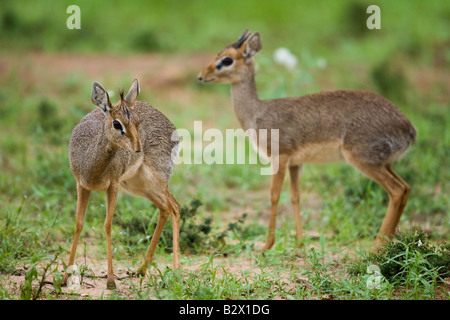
129	145
359	127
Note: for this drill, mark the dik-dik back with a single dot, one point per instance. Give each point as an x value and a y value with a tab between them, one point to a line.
359	121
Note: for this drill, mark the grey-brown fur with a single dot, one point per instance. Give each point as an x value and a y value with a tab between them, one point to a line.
359	127
155	131
130	145
366	123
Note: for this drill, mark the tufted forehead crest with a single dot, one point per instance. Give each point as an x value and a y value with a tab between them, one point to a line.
241	40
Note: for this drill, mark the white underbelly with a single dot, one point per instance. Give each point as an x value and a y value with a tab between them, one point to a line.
144	183
324	152
132	170
261	149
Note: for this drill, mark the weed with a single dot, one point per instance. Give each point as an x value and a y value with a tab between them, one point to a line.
27	291
410	261
16	242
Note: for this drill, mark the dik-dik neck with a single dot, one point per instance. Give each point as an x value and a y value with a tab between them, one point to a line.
245	100
103	153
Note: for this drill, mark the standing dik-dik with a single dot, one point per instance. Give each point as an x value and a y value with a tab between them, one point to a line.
129	145
360	127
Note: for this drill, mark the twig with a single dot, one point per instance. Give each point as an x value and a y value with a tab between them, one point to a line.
53	224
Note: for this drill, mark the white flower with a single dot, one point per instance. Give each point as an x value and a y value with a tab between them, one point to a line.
321	63
419	244
285	58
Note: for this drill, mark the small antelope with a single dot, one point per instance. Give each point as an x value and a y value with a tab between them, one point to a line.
129	145
359	127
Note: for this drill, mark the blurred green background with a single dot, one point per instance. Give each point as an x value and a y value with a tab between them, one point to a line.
46	73
322	27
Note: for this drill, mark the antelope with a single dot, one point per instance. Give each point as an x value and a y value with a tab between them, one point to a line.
129	145
359	127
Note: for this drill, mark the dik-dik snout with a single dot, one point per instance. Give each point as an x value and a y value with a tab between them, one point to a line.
122	122
234	62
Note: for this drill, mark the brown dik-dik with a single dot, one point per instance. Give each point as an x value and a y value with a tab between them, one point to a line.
129	145
359	127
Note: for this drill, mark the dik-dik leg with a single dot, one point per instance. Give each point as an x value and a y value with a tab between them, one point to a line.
111	198
275	191
166	205
295	173
175	212
82	202
398	191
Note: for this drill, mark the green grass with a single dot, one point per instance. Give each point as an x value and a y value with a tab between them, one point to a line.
221	238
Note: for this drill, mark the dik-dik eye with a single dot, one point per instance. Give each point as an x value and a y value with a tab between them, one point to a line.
225	62
118	126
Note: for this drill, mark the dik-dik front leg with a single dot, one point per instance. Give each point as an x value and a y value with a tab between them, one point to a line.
82	202
111	198
275	191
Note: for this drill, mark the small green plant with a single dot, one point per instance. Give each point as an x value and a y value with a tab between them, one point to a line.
410	261
318	273
16	242
27	291
194	229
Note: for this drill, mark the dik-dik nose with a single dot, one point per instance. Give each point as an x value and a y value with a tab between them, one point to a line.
138	147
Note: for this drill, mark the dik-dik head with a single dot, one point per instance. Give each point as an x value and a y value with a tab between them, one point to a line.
234	62
121	121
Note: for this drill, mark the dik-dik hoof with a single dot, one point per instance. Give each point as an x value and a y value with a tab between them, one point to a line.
110	284
267	246
142	271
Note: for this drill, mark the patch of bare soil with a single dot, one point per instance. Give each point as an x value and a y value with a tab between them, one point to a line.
158	70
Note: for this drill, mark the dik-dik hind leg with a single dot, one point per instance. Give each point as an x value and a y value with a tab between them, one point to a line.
166	205
82	202
175	212
275	191
294	173
398	196
398	191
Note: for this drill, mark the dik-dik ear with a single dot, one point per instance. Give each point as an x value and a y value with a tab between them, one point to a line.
133	93
253	45
100	97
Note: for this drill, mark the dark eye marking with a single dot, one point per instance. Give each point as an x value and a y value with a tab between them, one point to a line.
118	126
227	61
